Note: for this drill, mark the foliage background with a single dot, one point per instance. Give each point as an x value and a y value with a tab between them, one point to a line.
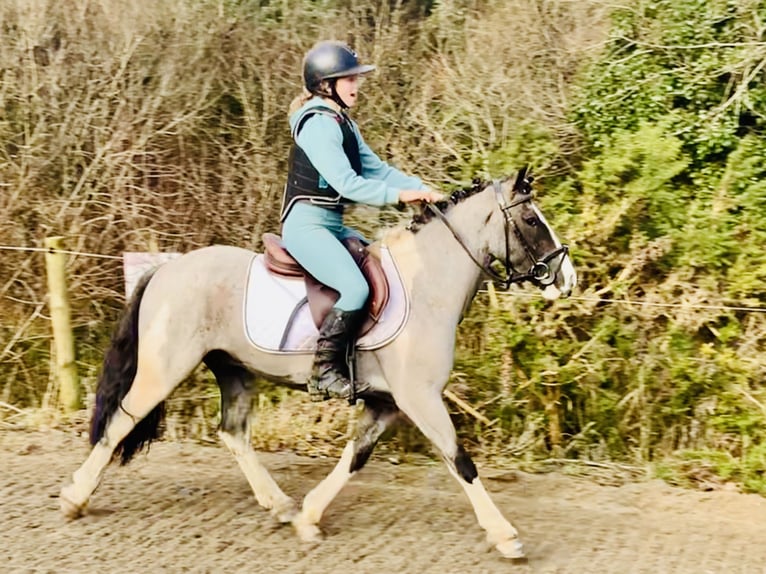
162	126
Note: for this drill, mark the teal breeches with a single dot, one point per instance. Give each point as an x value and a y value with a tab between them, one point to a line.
313	235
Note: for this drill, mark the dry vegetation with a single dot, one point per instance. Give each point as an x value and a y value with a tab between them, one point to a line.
162	126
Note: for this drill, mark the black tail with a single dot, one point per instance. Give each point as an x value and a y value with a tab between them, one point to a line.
117	375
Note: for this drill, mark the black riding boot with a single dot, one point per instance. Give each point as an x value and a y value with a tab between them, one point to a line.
330	375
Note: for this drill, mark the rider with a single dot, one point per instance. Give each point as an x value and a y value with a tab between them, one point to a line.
330	165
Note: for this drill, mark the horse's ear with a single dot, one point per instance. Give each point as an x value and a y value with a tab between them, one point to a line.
523	183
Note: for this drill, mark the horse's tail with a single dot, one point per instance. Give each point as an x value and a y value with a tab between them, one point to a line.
119	370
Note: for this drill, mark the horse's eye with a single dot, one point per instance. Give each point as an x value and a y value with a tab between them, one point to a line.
531	220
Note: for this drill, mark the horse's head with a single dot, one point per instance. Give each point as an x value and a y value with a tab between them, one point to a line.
523	241
499	221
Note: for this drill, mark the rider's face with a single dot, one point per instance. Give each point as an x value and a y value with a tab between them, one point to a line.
348	89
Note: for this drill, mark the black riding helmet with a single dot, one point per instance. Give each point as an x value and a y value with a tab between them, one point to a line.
330	60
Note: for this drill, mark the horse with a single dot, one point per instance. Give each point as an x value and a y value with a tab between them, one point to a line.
190	310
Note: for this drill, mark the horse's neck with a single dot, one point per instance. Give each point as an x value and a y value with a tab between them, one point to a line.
440	277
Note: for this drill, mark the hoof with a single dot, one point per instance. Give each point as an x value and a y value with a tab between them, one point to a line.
285	513
309	533
512	549
69	508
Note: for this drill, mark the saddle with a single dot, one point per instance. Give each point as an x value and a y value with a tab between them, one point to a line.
322	298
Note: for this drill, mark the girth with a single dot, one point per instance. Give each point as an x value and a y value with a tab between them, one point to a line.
322	298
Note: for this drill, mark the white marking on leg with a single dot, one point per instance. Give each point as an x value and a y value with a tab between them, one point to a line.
144	395
317	501
500	532
266	490
74	497
430	415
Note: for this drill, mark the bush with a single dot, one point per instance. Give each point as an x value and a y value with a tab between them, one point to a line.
162	126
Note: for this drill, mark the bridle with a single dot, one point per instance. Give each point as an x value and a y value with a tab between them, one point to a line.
540	273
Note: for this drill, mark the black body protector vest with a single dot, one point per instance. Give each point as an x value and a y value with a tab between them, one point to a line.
303	178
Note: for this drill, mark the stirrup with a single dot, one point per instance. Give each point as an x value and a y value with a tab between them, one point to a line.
318	394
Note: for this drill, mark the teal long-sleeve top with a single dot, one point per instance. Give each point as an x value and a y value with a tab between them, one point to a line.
322	140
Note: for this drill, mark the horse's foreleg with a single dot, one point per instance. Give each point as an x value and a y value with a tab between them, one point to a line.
376	417
427	411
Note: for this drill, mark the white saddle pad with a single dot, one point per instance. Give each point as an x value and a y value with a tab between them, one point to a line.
270	302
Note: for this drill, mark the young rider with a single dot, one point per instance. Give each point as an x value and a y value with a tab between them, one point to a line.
330	165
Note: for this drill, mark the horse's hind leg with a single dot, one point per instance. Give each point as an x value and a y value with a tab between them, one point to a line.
427	411
236	384
74	497
377	416
153	382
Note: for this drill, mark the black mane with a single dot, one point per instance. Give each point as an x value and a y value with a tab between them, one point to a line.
426	215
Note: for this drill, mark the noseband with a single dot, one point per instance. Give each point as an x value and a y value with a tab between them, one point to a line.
540	273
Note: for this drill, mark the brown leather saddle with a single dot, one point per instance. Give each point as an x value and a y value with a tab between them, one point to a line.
321	298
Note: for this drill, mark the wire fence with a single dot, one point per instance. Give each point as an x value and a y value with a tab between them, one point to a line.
64	251
713	307
645	303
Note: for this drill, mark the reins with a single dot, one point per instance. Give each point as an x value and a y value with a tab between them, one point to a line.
539	272
486	269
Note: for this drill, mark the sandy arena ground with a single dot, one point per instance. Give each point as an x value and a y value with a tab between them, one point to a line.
186	507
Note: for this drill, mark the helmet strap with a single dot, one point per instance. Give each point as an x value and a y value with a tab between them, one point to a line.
335	97
327	89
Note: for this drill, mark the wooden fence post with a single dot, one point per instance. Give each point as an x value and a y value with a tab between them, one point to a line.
58	301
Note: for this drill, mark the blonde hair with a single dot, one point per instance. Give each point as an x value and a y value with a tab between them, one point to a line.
305	96
299	100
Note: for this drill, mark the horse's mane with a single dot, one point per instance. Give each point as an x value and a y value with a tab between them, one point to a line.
426	215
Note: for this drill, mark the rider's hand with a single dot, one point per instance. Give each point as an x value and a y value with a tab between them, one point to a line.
411	195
